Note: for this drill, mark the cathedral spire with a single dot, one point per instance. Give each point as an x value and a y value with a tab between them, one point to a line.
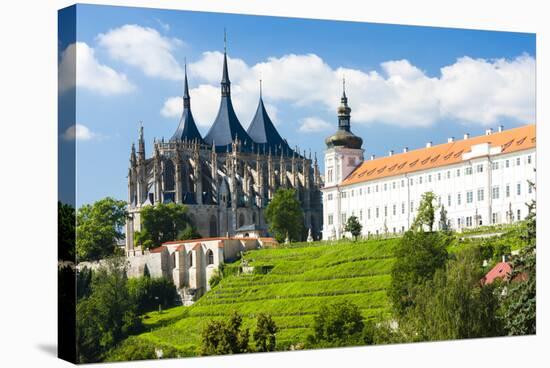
141	143
187	129
226	83
186	97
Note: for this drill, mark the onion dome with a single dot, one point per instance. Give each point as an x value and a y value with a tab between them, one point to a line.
343	136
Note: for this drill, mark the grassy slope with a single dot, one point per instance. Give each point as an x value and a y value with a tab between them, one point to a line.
302	279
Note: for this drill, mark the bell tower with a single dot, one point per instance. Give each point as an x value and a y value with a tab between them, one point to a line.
344	152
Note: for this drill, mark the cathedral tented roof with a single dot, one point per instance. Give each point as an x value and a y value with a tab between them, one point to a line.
227	127
263	132
187	129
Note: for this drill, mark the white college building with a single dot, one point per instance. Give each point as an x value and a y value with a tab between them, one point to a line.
479	180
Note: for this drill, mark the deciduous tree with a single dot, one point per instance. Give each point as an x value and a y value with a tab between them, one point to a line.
354	227
264	335
98	228
285	216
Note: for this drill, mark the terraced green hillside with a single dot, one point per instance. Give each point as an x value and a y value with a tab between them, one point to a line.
298	280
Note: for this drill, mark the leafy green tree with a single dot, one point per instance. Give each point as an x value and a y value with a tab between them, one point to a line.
354	227
418	256
189	233
147	293
224	337
135	348
520	300
454	305
66	225
98	228
107	316
162	223
264	335
443	220
426	213
83	282
338	324
285	216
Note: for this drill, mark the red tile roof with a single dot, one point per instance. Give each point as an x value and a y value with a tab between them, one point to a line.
510	140
502	270
157	249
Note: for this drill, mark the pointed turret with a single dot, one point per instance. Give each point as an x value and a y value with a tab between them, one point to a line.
187	129
141	144
227	127
262	130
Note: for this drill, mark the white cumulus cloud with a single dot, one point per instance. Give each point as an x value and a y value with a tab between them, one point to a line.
144	48
79	66
78	132
314	125
470	91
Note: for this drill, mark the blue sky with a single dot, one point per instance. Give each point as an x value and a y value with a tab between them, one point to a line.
407	85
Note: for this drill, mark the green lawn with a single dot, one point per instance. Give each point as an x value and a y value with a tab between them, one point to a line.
301	278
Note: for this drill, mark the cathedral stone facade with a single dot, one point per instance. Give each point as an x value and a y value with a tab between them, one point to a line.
226	178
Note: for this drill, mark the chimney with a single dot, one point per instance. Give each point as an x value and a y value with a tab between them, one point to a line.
429	144
372	157
406	149
390	153
489	131
500	128
466	136
450	139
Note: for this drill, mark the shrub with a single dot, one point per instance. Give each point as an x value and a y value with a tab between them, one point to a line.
338	324
224	337
264	335
147	293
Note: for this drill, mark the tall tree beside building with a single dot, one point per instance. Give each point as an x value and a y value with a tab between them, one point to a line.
162	223
354	227
98	228
285	216
425	216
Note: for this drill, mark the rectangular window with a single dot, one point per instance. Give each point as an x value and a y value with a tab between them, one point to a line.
402	208
496	192
518	189
529	188
402	183
494	165
507	163
412	206
518	161
448	174
457	173
368	190
343	218
411	182
495	217
385	187
385	211
419	180
469	196
368	213
360	215
377	212
343	195
459	199
329	175
479	168
360	191
352	192
468	171
394	210
507	190
393	185
449	200
330	219
438	176
519	215
376	187
480	195
529	160
430	178
329	197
